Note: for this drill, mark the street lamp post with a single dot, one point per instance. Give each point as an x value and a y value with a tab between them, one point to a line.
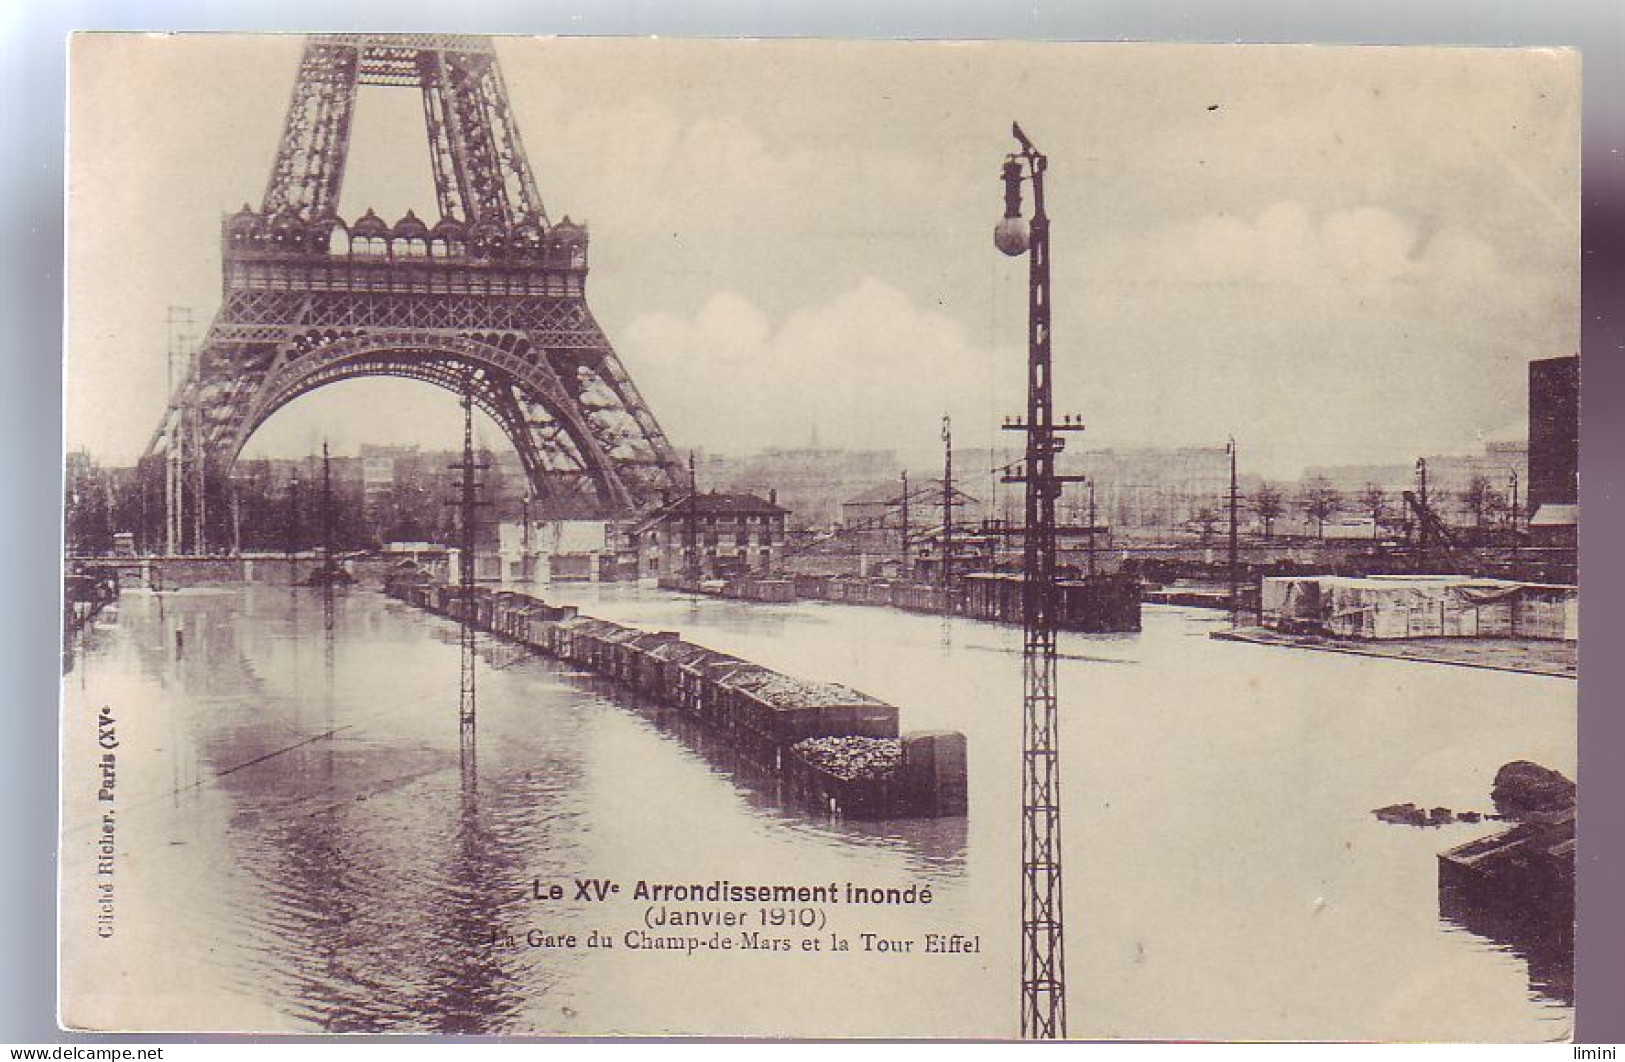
1043	967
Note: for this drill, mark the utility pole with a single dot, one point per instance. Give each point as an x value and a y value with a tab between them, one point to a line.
328	574
468	504
692	528
947	510
178	327
905	524
524	537
236	519
172	492
327	511
294	530
1043	950
200	498
1091	528
1235	552
1514	485
1422	496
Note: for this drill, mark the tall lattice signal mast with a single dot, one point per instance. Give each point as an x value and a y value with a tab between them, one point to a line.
1043	951
468	504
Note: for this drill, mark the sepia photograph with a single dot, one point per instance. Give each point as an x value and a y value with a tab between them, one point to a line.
821	539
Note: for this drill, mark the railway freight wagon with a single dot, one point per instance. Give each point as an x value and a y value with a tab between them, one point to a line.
538	622
1099	604
837	748
918	597
919	774
677	662
596	641
813	586
635	663
775	710
758	589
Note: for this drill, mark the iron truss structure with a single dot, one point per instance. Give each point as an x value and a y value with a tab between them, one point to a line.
1043	937
490	299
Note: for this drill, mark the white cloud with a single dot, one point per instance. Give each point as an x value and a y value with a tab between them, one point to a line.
868	367
1362	247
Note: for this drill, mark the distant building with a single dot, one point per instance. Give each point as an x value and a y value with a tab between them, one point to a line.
716	535
1155	488
557	550
1554	450
812	481
873	519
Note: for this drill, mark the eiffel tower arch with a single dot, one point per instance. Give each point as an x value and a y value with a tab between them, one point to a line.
489	298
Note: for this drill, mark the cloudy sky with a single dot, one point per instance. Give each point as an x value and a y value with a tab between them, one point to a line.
1332	254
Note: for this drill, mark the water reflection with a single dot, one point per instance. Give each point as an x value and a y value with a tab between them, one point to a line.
1541	936
313	834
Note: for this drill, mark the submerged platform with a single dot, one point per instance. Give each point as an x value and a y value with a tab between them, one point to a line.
1532	656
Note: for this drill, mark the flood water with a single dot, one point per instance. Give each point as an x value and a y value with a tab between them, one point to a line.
304	843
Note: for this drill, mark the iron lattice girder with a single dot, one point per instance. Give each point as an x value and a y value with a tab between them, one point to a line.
482	175
563	400
598	440
492	294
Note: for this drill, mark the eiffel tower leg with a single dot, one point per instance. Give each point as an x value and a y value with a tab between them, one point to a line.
494	290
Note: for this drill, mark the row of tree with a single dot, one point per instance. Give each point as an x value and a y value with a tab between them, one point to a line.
1320	502
276	506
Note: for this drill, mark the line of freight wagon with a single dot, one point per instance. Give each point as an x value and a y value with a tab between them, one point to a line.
837	749
1097	604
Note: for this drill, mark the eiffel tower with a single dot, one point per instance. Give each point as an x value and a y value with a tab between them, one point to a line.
489	298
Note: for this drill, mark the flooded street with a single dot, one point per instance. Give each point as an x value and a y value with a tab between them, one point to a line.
302	843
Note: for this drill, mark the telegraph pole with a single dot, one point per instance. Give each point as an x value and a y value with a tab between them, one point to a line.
1514	485
905	524
328	574
1043	966
236	519
947	510
200	497
468	504
174	451
1422	496
692	528
1091	528
294	530
327	510
524	536
1235	553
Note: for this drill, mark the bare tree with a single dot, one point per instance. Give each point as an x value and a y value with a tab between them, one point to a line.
1374	503
1482	500
1207	521
1270	505
1320	501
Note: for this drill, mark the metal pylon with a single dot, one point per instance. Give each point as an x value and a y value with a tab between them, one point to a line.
468	511
1043	951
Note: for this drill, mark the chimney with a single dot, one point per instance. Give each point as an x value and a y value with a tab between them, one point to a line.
773	496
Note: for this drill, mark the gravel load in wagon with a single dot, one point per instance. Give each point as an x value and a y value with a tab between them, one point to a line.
784	691
852	758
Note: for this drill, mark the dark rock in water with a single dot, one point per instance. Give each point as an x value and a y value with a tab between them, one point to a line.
1523	790
1469	816
1440	816
1402	815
